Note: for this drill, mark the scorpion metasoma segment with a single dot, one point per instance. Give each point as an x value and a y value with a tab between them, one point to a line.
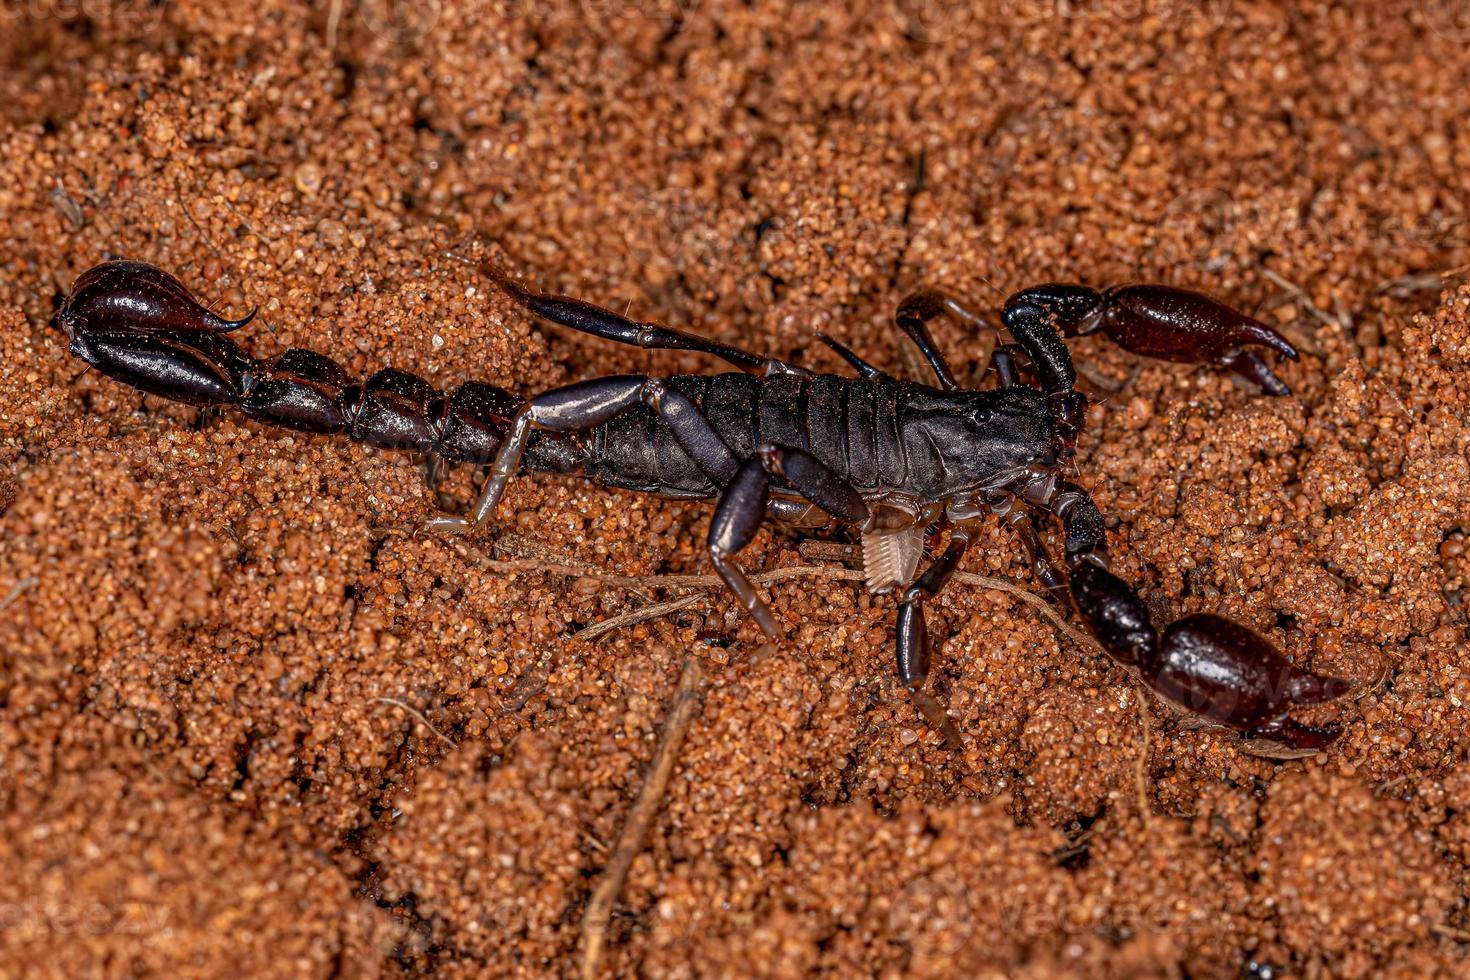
893	459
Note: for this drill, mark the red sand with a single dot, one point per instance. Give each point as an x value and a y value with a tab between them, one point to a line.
223	652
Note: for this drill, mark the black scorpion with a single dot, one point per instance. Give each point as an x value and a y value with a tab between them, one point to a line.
896	460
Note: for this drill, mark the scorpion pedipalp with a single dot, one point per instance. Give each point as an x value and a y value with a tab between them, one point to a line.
1207	664
1162	322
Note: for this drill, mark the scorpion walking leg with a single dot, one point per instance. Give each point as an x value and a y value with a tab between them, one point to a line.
913	636
797	513
1042	566
599	322
913	316
1013	367
588	404
743	507
862	367
1004	362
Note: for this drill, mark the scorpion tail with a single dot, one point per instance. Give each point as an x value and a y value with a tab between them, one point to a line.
140	326
138	299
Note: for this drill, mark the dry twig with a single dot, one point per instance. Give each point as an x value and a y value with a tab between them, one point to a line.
1301	297
420	716
639	615
640	818
1435	281
334	20
16	591
1140	769
512	565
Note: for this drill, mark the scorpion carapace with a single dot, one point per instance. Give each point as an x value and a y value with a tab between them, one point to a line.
895	460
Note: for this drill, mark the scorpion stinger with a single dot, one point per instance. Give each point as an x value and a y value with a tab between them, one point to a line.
894	460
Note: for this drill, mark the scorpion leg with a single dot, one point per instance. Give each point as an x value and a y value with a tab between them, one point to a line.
1206	664
913	635
588	404
797	513
1004	362
862	367
604	323
913	317
1042	566
744	505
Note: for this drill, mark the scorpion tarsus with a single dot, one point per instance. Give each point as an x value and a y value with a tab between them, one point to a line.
939	719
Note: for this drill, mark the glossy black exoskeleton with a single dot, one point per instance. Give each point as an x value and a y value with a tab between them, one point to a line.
895	460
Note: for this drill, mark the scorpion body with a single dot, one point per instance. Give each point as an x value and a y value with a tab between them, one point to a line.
896	460
879	436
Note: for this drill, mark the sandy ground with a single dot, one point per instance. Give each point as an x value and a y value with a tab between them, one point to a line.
250	724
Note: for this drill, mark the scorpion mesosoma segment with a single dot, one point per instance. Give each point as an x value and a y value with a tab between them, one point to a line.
893	459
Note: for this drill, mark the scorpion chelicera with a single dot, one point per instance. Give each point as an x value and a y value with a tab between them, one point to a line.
896	460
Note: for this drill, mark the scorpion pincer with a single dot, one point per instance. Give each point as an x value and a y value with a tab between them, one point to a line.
895	460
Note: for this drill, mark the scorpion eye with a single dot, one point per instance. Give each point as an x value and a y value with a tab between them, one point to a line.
980	415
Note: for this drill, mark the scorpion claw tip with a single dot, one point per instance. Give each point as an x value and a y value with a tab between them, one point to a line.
1308	688
1286	738
228	325
1267	337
